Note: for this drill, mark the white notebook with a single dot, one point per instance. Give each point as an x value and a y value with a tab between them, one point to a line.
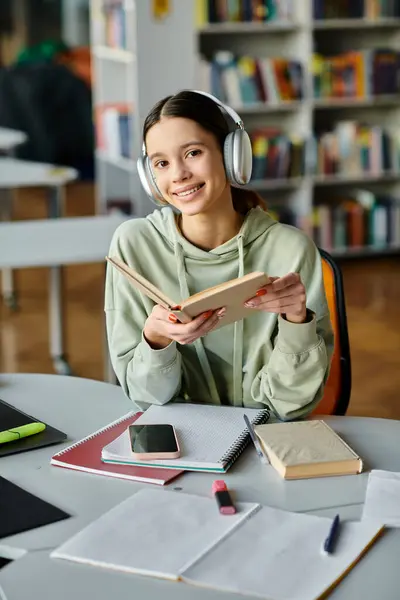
210	437
382	499
259	551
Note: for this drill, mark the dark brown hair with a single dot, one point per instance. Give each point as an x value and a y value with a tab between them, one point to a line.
204	111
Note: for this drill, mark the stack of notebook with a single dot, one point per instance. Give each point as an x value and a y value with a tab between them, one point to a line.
85	455
211	438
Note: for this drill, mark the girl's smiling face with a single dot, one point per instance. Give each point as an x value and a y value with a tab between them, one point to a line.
187	163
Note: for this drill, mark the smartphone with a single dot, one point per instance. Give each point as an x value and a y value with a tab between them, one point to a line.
149	442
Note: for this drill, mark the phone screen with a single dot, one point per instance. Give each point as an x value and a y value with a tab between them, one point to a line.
152	438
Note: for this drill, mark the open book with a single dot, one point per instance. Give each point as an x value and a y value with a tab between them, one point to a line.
230	294
258	551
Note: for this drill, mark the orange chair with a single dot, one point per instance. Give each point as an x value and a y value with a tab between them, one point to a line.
338	387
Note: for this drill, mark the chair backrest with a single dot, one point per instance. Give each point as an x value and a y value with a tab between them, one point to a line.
338	387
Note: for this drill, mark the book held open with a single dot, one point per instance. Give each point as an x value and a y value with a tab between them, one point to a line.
230	294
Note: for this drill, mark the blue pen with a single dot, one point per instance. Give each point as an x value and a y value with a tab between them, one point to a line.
331	540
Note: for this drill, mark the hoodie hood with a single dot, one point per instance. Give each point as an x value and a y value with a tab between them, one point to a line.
257	222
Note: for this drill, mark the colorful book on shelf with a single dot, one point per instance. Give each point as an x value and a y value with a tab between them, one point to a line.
277	155
235	11
211	438
85	455
258	551
357	220
355	9
230	294
357	74
242	80
113	129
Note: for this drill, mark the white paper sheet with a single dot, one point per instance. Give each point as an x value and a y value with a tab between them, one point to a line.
382	499
154	532
277	555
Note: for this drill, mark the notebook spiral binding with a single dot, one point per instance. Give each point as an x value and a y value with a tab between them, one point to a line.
126	417
236	449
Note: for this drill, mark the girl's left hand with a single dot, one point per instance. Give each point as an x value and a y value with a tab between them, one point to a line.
285	295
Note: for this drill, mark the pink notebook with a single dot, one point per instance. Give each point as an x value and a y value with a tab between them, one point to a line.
85	455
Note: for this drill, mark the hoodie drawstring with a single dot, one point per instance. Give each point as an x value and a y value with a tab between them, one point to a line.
238	341
200	350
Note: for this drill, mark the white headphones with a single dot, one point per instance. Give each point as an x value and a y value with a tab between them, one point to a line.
238	156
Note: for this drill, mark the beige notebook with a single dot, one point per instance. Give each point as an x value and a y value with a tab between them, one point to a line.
304	449
230	294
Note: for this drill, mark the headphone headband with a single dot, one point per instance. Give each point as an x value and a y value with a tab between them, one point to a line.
232	113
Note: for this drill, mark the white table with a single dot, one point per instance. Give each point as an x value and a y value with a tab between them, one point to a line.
51	243
16	173
79	407
10	139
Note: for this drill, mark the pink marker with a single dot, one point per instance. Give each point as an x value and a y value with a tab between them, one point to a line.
224	500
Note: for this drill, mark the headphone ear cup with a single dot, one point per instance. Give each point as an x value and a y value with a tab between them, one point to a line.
228	158
241	157
148	181
238	157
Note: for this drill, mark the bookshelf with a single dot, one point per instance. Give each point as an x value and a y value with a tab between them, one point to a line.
135	50
333	182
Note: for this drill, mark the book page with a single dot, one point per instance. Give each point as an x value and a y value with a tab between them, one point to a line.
205	433
141	283
382	499
154	532
277	555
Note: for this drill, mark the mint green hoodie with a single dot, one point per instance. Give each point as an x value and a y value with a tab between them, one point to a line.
261	360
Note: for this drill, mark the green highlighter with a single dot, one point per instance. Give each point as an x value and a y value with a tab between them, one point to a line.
12	435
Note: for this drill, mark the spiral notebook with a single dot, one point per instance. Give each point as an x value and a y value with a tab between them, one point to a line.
85	455
211	438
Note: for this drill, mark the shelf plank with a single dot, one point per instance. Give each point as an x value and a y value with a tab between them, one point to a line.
323	181
359	179
127	164
339	103
113	54
351	24
276	184
260	108
365	251
248	28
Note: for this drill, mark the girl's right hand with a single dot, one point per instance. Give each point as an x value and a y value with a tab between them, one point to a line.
162	327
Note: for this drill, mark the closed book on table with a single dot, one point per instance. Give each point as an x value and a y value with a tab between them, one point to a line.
305	449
